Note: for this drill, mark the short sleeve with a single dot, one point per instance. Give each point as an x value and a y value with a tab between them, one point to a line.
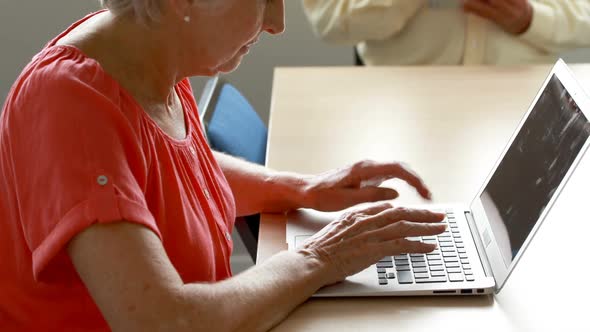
77	157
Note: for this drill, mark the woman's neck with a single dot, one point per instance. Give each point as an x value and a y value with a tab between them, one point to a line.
141	59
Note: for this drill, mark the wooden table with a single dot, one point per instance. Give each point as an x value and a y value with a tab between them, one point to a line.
449	124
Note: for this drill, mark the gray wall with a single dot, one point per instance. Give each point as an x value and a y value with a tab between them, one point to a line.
26	25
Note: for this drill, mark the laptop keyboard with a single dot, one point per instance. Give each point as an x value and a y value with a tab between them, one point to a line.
448	263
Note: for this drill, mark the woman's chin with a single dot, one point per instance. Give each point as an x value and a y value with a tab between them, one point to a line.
230	65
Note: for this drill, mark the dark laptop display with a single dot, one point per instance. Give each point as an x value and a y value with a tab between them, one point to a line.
534	166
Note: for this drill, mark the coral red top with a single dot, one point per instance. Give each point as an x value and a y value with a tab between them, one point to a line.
76	149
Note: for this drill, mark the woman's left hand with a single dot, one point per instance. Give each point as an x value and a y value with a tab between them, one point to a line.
358	183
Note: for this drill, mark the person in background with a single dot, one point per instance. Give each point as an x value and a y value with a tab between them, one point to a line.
453	32
116	215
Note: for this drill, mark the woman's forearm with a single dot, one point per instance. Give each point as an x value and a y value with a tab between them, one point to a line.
255	300
259	189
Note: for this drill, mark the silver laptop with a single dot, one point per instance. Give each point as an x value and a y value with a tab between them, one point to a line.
484	240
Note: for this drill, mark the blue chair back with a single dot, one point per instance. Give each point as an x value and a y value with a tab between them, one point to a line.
235	128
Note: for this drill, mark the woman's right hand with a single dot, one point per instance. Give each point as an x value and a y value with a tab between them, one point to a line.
362	237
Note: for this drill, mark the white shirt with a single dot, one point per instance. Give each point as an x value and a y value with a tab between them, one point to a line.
416	32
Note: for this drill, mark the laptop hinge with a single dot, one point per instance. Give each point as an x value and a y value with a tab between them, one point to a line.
481	251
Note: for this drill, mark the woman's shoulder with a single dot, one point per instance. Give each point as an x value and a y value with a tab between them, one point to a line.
60	84
63	72
62	89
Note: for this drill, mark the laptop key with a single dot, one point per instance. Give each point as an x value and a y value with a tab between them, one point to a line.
420	269
380	270
404	277
382	281
451	259
418	259
468	272
454	277
454	270
384	265
402	268
469	278
386	259
418	264
437	273
462	255
466	267
431	280
421	275
449	254
464	261
452	264
437	268
434	263
391	275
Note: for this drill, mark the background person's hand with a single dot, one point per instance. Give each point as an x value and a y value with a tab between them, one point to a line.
514	16
341	188
360	238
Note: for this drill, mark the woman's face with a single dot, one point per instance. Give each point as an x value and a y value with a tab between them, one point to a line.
221	32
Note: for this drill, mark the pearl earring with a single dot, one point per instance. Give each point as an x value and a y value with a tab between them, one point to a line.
187	18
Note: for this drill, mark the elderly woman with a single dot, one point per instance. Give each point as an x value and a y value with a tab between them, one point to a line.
114	212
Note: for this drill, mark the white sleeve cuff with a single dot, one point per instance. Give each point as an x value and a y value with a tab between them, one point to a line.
542	27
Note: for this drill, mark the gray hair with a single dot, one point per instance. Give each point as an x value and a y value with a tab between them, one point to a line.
147	11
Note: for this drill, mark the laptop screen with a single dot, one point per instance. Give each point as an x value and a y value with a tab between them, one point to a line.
533	167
